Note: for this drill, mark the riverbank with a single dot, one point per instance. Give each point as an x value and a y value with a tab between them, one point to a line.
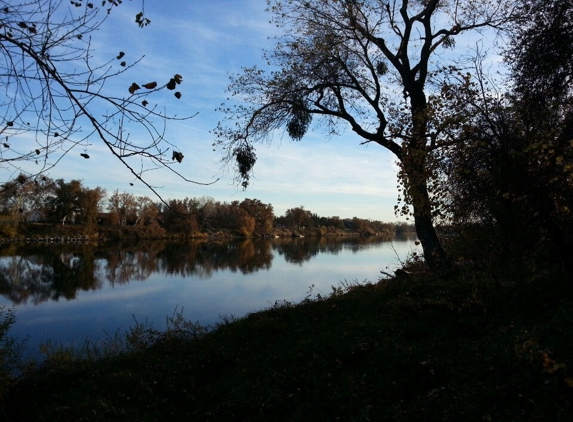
58	233
413	348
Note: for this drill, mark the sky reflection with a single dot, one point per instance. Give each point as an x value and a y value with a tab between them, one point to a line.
206	283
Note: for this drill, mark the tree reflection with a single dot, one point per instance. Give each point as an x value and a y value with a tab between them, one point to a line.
38	273
202	259
125	263
41	274
300	250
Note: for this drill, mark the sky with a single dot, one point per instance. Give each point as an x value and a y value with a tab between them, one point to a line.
205	42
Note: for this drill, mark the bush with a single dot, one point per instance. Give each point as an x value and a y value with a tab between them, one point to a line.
10	351
8	227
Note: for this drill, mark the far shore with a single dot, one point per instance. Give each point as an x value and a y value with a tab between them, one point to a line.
58	233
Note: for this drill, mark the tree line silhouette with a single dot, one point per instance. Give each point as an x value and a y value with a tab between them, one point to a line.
24	200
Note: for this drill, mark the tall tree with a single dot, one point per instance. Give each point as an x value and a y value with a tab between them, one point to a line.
540	52
262	213
180	216
56	96
125	205
298	217
147	210
514	169
67	199
22	195
363	63
90	205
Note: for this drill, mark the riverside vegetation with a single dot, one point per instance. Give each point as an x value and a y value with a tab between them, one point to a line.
34	210
485	336
479	344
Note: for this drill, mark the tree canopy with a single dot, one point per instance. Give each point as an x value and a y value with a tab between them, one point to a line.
511	170
368	65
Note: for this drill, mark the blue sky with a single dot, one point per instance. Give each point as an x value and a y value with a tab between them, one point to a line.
205	41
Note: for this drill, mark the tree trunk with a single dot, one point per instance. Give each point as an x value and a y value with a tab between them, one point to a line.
414	162
434	254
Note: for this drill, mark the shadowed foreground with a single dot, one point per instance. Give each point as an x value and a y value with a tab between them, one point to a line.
413	349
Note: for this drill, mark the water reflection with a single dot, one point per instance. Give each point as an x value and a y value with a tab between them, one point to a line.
70	293
300	250
202	259
38	273
41	274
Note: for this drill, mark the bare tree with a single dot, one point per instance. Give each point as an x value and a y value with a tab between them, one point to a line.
55	98
364	64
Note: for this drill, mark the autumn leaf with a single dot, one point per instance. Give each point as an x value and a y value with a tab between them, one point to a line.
150	85
177	156
141	20
177	95
171	84
178	78
83	154
134	87
6	145
120	55
144	103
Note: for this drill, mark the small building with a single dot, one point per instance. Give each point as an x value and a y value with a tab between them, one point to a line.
35	216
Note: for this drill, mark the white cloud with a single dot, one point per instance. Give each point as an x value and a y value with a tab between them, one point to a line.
204	42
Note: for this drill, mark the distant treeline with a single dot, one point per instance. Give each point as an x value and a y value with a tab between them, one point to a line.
43	200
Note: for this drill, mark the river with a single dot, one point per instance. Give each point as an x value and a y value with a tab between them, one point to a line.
75	292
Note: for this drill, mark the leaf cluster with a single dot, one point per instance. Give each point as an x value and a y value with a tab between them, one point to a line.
56	94
510	169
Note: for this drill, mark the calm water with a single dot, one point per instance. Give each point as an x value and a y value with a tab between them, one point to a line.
69	293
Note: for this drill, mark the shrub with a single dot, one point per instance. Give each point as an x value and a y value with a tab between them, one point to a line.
10	351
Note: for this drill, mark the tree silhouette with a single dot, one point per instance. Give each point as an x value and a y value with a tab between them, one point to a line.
362	63
56	97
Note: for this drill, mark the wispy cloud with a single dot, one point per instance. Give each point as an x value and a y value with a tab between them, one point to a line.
205	41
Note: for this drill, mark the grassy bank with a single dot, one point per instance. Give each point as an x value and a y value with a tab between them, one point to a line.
412	349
